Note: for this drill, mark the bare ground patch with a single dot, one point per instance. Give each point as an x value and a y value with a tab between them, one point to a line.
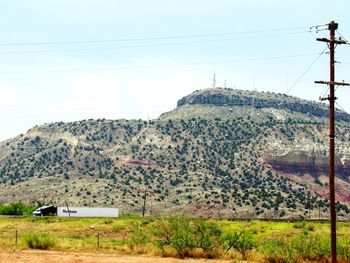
36	256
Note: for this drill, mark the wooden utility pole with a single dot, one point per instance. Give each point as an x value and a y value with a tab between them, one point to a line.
145	193
332	27
144	204
319	211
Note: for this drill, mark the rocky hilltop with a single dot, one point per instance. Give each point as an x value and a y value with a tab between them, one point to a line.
234	97
220	153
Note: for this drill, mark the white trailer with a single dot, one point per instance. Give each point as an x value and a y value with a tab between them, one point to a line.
87	211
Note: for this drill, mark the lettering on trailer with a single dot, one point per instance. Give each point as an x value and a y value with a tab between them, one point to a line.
70	211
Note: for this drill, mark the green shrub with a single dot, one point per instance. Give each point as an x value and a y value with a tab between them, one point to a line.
299	225
138	237
278	251
310	227
163	233
207	235
186	236
182	240
243	242
343	249
303	247
39	240
16	208
311	246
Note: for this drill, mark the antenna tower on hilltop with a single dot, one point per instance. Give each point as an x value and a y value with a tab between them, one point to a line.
214	81
253	100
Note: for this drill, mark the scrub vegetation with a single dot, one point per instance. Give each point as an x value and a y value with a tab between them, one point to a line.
16	209
259	241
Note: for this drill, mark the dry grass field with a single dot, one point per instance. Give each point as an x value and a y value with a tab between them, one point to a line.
132	239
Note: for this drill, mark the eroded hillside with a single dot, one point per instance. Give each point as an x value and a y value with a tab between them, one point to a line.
208	157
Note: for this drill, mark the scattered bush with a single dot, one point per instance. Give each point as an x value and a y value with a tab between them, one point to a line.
278	251
303	247
182	240
138	238
185	237
188	237
343	249
310	227
311	246
39	240
16	208
243	242
207	235
299	225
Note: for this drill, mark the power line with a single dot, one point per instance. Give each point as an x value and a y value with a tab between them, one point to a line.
88	108
341	107
326	91
154	66
347	42
150	38
145	45
307	69
319	27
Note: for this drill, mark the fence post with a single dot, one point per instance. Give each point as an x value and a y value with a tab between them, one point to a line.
16	235
98	240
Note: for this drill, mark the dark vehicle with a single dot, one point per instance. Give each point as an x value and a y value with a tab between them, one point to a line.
46	210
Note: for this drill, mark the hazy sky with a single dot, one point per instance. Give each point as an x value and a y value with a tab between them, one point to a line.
79	59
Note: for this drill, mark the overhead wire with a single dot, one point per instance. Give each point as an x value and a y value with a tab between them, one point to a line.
347	42
341	107
155	66
326	91
143	46
307	69
149	38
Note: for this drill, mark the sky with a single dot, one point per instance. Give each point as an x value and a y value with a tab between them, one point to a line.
69	60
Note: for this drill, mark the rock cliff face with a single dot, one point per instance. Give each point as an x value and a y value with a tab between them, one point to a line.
304	163
231	97
313	171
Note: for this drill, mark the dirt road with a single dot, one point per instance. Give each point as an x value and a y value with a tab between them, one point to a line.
36	256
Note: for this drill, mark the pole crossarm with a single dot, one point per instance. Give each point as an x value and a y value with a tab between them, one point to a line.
335	41
332	83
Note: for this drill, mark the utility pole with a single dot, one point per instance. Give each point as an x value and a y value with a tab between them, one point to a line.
331	42
319	211
144	197
144	204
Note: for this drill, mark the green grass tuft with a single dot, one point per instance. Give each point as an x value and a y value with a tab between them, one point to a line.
39	241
